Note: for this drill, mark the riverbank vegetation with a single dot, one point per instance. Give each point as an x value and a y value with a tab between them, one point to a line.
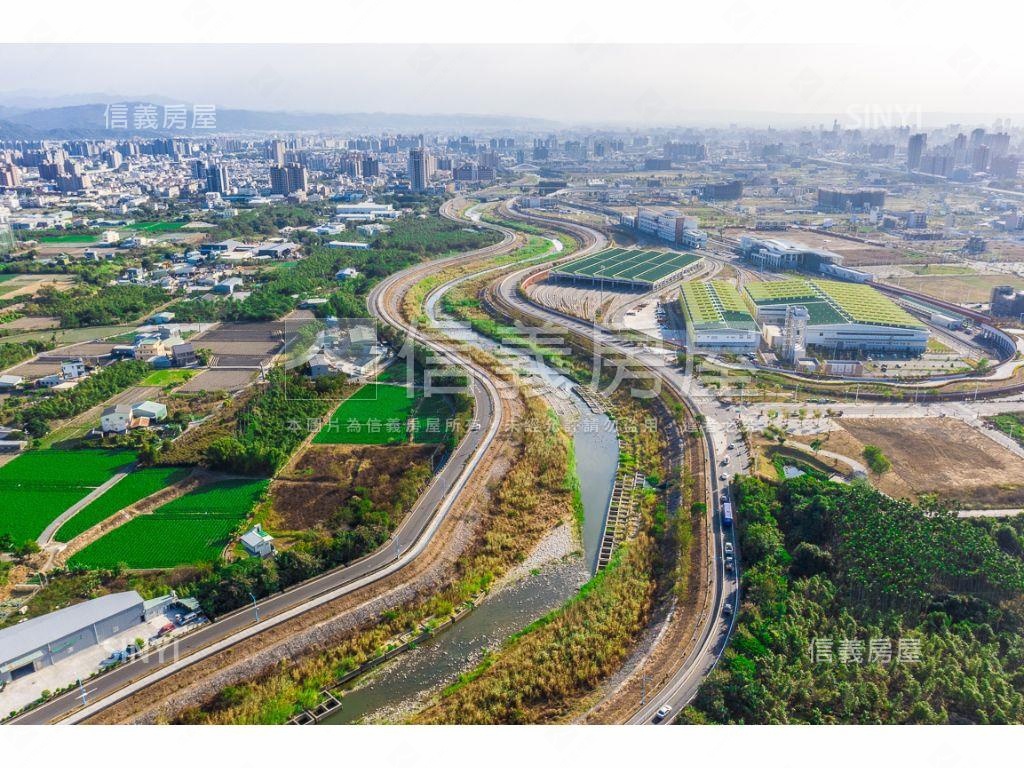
526	503
543	672
544	669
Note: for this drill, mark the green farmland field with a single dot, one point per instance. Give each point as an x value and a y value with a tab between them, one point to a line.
378	414
68	239
38	486
193	528
168	377
135	487
85	467
28	510
156	226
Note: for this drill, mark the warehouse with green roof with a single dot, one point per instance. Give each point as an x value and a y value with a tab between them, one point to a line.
717	319
633	269
842	317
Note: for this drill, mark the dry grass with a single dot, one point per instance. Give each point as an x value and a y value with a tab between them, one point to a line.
960	289
940	456
307	494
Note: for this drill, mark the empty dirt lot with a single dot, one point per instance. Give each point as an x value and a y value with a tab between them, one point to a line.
30	324
239	345
215	379
943	456
959	289
26	285
242	344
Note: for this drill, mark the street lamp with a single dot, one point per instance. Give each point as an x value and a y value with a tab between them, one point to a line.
255	607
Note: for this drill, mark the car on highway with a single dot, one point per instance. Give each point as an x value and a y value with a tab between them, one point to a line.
723	477
731	446
662	713
730	564
727	609
728	548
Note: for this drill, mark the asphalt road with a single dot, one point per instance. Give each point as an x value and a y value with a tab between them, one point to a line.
408	542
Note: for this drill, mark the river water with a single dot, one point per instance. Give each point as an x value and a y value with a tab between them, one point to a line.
391	691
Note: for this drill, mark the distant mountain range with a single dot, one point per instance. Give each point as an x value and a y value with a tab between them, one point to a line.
91	121
25	115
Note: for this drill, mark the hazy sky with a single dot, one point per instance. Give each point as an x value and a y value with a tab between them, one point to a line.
586	83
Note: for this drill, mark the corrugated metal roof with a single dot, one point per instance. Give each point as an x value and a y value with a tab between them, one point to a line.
26	637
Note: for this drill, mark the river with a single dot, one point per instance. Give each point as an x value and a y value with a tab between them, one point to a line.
551	575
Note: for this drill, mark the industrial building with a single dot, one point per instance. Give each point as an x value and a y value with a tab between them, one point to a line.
368	211
773	254
777	255
717	318
724	190
632	269
45	640
672	226
841	317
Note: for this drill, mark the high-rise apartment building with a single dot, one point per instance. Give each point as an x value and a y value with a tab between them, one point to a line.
419	169
217	179
915	148
275	152
288	178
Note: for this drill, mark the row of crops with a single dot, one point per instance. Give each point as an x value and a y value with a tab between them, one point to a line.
38	486
193	528
385	414
133	488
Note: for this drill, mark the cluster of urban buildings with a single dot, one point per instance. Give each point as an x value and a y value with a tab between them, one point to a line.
964	156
